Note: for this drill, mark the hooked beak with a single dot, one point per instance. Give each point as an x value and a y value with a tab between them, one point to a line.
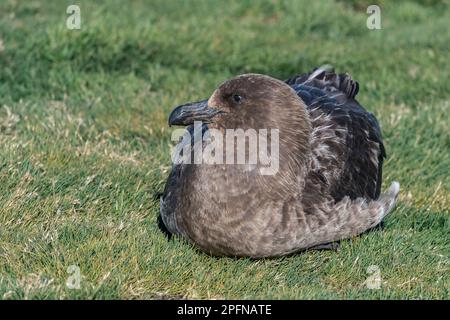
186	114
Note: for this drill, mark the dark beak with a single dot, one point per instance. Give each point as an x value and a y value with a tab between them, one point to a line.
186	114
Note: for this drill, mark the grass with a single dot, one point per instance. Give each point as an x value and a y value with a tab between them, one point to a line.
85	143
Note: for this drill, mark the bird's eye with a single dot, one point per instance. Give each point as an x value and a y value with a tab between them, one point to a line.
237	98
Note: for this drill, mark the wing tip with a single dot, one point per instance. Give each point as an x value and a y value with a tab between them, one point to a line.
394	189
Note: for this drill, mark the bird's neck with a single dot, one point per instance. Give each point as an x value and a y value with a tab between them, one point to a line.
273	163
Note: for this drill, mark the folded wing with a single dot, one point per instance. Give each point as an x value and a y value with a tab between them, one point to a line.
346	143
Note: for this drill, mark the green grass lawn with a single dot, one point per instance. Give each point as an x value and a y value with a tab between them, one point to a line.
84	143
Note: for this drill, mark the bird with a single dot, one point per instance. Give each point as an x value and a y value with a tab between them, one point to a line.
328	184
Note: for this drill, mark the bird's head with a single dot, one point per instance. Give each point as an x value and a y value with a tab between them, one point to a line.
264	104
247	101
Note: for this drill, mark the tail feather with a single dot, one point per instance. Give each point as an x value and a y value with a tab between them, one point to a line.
389	197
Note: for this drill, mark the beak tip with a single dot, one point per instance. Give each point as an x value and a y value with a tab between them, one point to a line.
188	113
171	121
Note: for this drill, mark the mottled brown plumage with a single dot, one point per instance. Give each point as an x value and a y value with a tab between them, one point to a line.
328	184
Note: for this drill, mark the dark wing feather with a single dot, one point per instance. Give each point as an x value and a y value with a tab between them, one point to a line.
325	79
347	147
